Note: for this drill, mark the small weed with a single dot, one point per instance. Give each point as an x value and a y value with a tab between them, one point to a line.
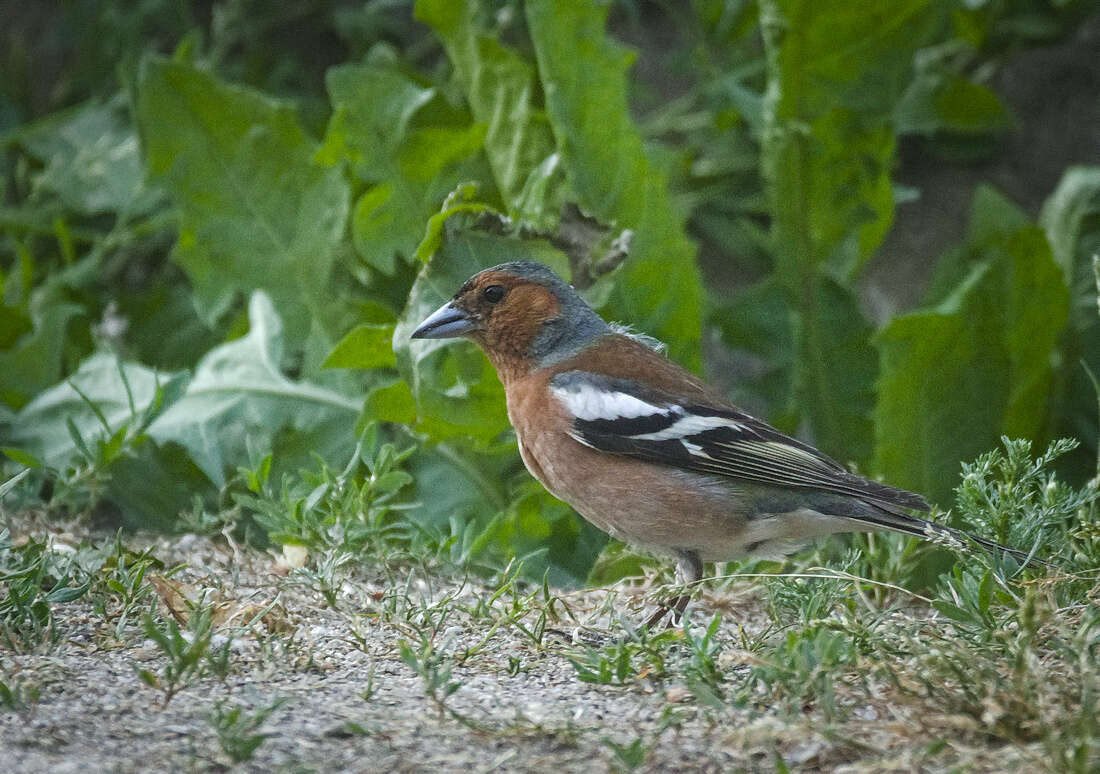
187	652
628	757
325	577
701	672
1017	500
18	695
510	607
33	579
348	511
434	668
119	588
237	730
805	600
639	655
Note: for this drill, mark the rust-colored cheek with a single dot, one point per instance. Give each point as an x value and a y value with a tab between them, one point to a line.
513	327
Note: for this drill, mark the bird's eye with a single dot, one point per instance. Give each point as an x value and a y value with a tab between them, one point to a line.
493	294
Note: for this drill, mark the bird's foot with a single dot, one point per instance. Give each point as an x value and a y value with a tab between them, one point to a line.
677	607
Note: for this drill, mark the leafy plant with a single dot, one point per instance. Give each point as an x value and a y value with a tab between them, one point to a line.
217	255
189	654
238	730
34	578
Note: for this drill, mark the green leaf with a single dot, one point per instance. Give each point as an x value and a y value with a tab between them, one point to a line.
948	102
22	457
1064	216
977	365
1071	220
42	427
239	400
391	403
373	107
257	212
458	202
757	321
500	88
835	371
834	74
583	75
93	160
365	346
35	360
411	167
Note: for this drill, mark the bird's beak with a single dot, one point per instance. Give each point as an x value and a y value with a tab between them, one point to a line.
446	322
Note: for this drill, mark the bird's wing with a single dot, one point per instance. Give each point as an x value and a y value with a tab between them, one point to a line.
623	416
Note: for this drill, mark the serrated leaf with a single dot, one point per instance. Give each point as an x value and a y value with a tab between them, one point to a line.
257	212
827	153
583	74
500	88
411	168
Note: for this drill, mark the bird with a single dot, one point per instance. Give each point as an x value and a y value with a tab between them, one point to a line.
648	452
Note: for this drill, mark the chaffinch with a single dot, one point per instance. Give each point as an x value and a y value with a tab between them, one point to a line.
645	450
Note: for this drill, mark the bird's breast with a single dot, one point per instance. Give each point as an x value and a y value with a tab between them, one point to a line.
651	506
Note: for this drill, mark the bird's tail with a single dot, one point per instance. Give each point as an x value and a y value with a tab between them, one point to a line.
886	517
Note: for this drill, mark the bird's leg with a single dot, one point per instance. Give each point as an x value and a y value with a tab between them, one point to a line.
689	571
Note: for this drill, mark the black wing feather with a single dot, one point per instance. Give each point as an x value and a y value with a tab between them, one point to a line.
741	448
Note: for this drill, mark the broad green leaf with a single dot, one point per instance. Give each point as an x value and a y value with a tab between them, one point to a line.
155	484
977	365
835	371
500	88
257	212
93	160
373	107
35	359
948	102
150	482
757	321
583	74
834	74
459	202
365	346
239	401
1064	216
411	164
41	427
1071	220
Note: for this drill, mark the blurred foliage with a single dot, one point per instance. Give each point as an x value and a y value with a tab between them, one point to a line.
220	221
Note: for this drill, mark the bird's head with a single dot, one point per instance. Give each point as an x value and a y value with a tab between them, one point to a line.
521	313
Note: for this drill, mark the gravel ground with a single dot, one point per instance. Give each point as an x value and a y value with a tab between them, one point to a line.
351	704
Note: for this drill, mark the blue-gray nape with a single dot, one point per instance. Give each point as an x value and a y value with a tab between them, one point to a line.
573	329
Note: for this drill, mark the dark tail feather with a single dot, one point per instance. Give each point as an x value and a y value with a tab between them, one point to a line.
897	521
